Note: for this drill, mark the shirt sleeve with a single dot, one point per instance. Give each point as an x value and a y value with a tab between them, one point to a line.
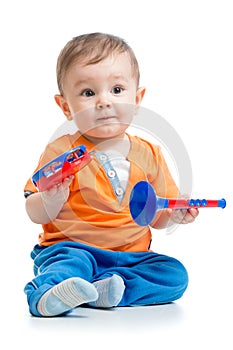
149	157
163	182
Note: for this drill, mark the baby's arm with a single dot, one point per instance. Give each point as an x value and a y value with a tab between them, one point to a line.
43	207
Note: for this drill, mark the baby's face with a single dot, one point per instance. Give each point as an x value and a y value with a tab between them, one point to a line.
102	97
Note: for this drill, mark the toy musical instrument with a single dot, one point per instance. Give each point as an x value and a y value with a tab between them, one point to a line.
144	203
55	171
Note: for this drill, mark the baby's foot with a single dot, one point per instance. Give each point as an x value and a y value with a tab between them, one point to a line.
110	291
65	296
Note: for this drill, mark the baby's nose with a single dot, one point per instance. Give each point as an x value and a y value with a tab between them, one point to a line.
103	103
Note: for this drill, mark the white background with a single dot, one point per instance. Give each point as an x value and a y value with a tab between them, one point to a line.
185	53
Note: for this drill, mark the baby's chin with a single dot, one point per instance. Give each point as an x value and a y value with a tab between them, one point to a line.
105	132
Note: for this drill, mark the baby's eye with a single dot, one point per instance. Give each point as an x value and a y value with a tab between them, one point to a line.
88	93
117	90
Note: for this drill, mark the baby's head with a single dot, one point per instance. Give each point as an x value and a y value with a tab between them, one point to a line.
90	49
98	79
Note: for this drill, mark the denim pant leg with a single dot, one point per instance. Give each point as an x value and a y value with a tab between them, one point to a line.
53	265
150	278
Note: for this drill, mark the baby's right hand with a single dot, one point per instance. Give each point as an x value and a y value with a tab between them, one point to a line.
44	207
58	193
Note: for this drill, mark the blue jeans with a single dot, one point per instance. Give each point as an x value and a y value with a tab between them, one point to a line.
149	278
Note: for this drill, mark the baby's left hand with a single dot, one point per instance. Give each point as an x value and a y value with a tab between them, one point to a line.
184	216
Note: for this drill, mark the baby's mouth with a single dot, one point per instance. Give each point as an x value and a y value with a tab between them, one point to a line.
106	118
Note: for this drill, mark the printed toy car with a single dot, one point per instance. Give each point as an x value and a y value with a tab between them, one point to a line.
59	168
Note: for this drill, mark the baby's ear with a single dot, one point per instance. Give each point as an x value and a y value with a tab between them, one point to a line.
139	95
61	102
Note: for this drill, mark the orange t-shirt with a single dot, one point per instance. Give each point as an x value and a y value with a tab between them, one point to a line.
93	214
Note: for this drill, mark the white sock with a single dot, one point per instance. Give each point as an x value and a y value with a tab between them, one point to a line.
110	291
65	296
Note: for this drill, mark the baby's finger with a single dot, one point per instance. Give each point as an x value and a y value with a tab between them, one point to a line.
67	181
190	215
194	212
178	215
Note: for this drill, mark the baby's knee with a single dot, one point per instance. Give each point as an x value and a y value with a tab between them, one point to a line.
182	277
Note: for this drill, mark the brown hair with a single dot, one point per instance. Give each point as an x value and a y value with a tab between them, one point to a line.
92	48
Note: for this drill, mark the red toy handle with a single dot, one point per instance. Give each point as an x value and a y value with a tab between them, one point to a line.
195	203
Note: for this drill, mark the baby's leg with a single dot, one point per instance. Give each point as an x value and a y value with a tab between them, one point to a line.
150	278
63	275
138	279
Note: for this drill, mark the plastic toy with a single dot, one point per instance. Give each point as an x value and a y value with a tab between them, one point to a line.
59	168
144	203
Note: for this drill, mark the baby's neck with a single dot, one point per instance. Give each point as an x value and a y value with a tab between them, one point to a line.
120	144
